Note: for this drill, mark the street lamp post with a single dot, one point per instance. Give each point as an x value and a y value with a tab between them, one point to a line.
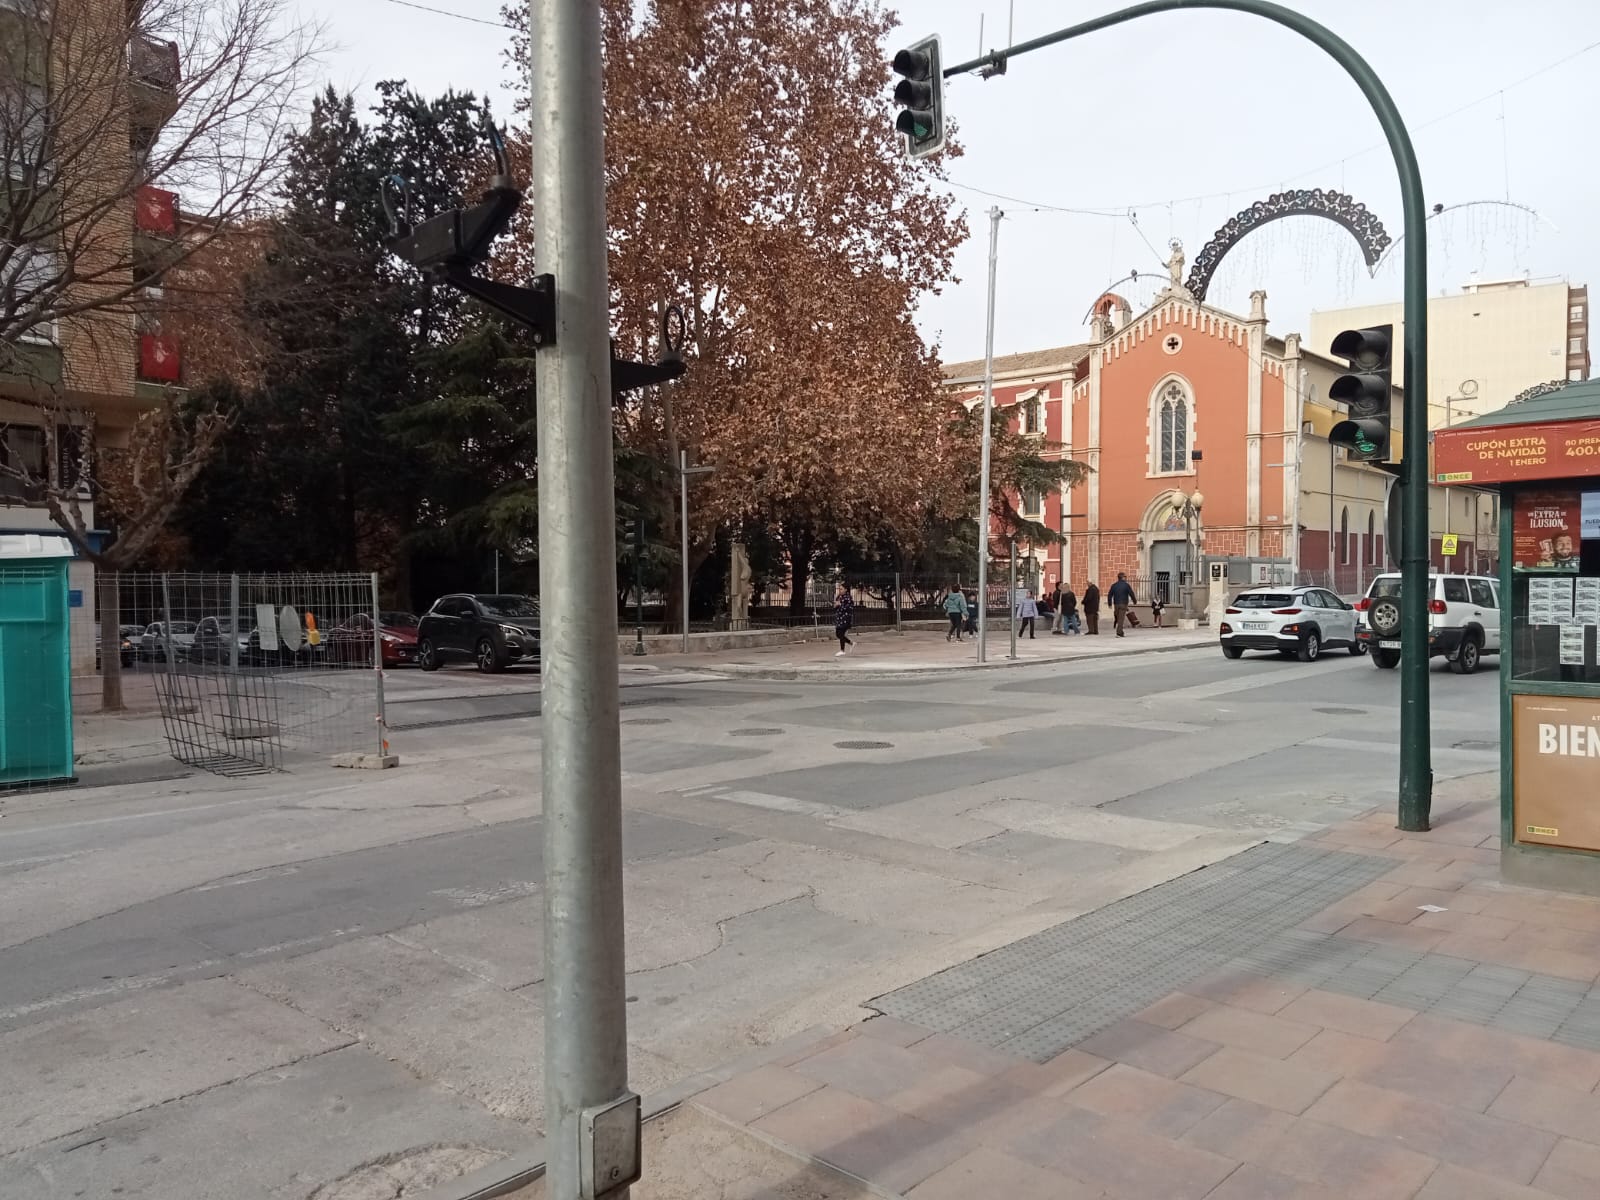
1189	507
1416	767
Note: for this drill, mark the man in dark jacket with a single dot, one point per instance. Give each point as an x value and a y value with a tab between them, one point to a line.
1068	622
1091	608
1120	595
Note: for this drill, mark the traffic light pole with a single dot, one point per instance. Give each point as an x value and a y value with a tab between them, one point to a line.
591	1118
983	472
1416	766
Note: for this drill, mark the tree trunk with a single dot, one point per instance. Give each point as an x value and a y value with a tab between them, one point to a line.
110	602
801	545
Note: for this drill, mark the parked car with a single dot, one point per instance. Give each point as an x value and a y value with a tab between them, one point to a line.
152	642
127	636
213	642
350	641
492	631
1463	620
1300	621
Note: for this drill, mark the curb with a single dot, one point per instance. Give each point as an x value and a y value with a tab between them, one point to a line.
832	675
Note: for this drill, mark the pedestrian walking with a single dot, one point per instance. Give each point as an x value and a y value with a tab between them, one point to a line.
1027	611
1091	609
955	607
1156	605
1054	623
843	610
972	613
1121	596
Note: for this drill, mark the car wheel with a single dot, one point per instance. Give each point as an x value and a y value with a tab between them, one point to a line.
1310	648
1386	660
1233	651
427	656
489	660
1465	661
1357	649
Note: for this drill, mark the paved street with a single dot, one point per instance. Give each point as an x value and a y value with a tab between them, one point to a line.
344	964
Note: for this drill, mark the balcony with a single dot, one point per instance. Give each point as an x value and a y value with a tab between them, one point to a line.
153	77
160	359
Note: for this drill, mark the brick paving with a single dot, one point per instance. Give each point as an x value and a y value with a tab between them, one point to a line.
1374	1050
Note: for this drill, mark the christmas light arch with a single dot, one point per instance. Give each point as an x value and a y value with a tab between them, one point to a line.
1343	210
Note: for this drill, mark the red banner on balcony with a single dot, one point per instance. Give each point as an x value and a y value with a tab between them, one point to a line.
156	210
159	359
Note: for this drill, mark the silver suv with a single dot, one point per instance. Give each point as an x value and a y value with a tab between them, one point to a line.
1463	620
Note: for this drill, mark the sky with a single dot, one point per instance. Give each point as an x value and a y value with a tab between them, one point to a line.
1168	126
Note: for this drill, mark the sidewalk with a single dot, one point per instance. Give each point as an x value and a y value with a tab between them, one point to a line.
917	652
1363	1015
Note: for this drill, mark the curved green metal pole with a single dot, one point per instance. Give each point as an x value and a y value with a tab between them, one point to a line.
1416	765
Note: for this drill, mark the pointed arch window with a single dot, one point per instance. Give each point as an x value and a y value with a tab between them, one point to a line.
1172	429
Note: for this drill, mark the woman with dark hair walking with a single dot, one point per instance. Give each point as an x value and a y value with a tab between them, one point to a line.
843	609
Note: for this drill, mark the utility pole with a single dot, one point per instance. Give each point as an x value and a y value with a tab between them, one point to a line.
591	1118
983	474
684	471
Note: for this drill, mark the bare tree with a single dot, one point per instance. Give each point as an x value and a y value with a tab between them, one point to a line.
138	141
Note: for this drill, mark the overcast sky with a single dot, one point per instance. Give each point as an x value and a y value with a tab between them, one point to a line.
1168	126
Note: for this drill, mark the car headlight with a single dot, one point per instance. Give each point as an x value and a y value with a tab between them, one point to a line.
389	637
511	631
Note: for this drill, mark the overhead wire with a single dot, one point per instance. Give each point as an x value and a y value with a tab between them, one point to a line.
445	12
1120	210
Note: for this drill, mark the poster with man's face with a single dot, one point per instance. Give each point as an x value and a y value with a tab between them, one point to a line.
1547	530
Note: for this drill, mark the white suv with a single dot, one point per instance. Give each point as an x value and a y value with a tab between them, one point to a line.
1463	620
1291	620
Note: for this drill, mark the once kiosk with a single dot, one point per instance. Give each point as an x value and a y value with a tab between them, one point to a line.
1542	452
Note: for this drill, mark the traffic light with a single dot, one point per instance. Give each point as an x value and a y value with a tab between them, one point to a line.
1365	392
921	95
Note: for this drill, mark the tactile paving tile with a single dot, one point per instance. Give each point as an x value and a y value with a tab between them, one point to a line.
1047	992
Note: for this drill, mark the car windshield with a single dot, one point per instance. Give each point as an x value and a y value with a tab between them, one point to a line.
1264	600
1387	586
398	618
182	627
223	624
509	606
130	630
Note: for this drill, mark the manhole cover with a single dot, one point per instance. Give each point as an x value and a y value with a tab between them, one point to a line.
1342	712
863	745
649	721
757	732
1471	745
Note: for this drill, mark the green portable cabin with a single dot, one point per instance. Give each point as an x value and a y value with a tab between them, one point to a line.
35	660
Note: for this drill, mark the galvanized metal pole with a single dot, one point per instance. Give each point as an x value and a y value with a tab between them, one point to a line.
377	664
1299	446
983	474
591	1119
1011	592
897	627
683	545
233	649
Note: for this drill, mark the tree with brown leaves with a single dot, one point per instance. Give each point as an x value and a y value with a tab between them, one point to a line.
754	179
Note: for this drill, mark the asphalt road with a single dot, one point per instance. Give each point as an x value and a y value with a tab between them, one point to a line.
203	950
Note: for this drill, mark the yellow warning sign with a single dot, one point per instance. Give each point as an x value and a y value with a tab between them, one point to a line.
1448	544
1543	831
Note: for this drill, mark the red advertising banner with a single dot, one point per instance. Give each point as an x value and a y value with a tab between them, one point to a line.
1508	453
1547	529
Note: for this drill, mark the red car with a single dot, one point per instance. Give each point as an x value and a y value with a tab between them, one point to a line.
351	641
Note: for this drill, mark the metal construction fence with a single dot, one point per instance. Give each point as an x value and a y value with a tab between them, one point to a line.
248	671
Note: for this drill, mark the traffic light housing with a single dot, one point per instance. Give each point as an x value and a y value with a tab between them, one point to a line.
1365	392
920	94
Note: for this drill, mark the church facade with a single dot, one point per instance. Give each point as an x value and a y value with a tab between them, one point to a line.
1186	398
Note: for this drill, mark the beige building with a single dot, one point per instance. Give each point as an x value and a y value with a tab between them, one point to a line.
1486	343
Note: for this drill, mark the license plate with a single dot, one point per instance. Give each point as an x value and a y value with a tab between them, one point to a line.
1255	625
1388	645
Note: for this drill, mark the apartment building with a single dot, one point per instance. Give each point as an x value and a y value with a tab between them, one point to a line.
1486	343
85	92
